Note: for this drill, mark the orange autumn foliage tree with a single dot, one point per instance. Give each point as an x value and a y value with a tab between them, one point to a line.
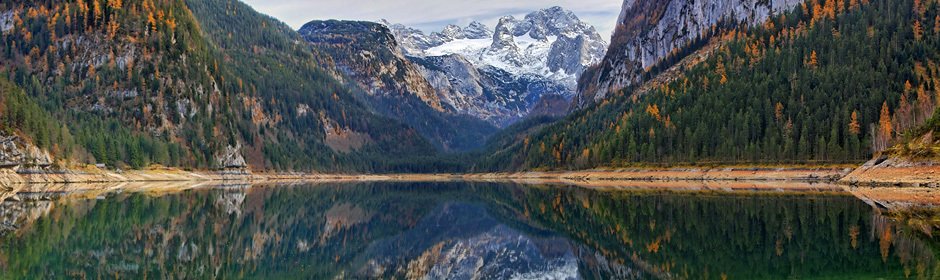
918	30
926	105
854	126
813	60
885	131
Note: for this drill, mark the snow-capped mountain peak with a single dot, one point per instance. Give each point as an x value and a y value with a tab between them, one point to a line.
453	31
514	65
503	36
552	43
477	30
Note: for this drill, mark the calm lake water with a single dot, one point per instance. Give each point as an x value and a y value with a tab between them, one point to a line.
456	231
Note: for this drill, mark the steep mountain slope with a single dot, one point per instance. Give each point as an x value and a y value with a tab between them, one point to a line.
487	92
828	81
516	64
648	31
368	52
177	83
369	56
24	130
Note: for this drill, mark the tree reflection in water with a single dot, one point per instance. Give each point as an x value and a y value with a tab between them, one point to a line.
457	230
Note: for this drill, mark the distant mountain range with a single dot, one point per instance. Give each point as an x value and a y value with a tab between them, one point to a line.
501	74
457	86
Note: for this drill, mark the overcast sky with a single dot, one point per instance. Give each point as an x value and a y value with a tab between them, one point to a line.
432	15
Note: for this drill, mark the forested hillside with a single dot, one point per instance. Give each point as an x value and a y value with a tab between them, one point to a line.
139	82
830	81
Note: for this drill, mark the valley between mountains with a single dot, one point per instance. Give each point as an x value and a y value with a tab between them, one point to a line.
714	90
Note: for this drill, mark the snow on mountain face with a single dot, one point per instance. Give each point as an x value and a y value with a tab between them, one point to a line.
477	30
409	39
487	93
649	29
518	46
543	53
483	249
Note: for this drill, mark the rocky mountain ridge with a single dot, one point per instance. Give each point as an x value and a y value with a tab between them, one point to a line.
516	63
649	30
375	61
519	46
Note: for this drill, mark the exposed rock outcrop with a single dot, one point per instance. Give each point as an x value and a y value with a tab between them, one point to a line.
6	21
231	158
17	153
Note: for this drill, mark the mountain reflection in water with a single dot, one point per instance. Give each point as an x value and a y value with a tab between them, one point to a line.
456	230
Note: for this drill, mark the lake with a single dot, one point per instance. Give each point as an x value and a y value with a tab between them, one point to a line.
457	230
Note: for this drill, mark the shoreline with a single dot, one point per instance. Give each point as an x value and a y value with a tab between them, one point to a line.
91	176
895	172
898	187
876	174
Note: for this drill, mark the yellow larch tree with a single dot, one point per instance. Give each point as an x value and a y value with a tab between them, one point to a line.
830	9
116	4
854	127
97	12
918	30
152	22
720	69
813	60
778	111
818	12
936	24
653	110
925	104
886	129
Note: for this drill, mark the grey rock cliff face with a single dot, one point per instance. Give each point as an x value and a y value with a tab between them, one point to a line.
503	37
571	55
410	39
15	152
477	30
6	21
371	56
648	30
231	158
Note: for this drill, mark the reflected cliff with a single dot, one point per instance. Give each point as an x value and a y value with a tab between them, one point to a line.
456	231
